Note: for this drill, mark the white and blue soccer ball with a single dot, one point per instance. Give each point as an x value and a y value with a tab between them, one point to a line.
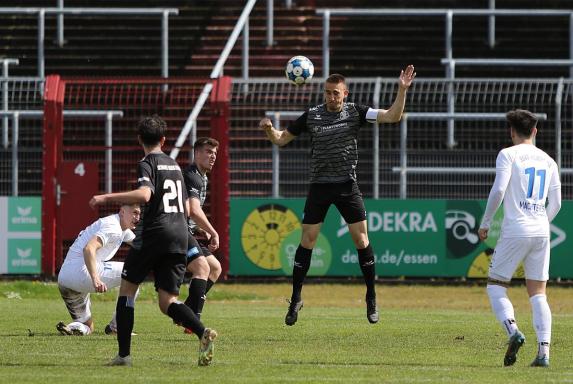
299	70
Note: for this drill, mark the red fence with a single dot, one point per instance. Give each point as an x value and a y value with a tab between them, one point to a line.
82	142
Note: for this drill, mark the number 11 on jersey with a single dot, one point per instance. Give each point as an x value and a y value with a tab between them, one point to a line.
531	173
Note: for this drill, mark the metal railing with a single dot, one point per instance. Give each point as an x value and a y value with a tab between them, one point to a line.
190	126
42	12
38	114
403	169
5	63
449	14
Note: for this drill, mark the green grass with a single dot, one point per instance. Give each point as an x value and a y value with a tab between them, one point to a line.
426	335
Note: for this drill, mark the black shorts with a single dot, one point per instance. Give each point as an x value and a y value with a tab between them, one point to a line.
345	196
168	268
196	248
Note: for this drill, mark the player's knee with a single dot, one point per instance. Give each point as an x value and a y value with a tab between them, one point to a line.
199	268
214	268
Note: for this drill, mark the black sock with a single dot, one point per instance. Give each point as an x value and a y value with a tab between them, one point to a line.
124	318
182	314
196	298
368	267
299	271
210	284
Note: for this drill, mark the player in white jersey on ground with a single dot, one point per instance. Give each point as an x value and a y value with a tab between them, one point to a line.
86	268
525	178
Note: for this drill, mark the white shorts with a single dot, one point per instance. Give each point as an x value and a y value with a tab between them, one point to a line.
75	286
509	252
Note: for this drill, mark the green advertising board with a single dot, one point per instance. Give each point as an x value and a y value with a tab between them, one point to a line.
411	238
20	235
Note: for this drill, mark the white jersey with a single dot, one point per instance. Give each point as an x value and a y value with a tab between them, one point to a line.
108	230
529	175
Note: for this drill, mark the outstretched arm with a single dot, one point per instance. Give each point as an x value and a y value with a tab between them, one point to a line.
394	113
137	196
275	136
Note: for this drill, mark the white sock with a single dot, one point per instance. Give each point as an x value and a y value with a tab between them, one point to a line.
502	308
84	329
543	350
541	322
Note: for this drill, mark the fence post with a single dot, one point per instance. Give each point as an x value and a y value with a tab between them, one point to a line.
220	105
558	106
325	44
15	133
376	142
270	22
403	156
51	158
276	159
41	36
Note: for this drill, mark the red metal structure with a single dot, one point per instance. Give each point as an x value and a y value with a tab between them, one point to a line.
71	141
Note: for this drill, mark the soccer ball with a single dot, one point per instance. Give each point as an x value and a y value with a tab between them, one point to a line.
299	70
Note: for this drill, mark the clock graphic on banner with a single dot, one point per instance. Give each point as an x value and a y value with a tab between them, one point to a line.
263	232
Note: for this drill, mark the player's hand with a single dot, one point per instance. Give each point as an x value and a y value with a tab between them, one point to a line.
407	77
482	233
202	234
214	243
97	200
266	124
99	285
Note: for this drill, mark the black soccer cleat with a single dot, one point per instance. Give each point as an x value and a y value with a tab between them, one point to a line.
371	311
292	314
515	342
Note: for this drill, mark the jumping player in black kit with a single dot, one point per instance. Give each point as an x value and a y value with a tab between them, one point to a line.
163	244
333	127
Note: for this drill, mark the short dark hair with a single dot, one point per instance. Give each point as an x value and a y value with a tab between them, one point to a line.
522	121
336	78
151	129
203	141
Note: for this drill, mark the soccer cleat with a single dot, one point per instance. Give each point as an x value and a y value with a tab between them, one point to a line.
109	330
119	361
371	311
515	342
188	331
540	362
292	314
66	331
206	347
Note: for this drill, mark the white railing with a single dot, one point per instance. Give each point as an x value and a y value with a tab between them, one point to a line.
449	15
39	114
42	12
5	63
190	126
403	169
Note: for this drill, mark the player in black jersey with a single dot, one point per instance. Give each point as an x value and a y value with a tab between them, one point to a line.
163	245
203	239
333	127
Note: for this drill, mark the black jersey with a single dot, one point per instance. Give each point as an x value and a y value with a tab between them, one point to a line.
196	184
164	219
334	136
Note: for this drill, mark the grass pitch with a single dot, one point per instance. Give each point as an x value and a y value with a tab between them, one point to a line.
426	334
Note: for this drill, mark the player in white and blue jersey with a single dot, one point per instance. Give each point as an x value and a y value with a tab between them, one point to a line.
526	178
